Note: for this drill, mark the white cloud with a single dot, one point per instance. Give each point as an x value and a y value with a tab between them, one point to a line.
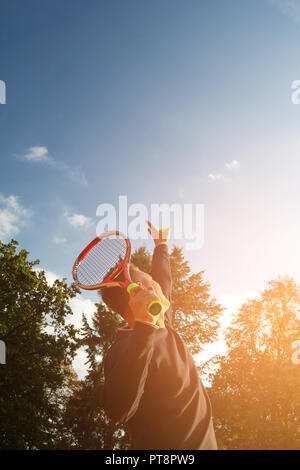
233	165
216	176
290	8
50	276
80	305
231	304
79	363
13	216
79	220
78	176
38	154
59	240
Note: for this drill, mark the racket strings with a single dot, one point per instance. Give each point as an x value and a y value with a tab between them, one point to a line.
101	261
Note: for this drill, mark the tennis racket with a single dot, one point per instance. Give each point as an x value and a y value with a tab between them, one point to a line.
102	261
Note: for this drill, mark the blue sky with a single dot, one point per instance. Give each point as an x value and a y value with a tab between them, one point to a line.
153	100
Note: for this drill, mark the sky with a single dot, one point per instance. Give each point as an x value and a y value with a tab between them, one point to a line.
161	102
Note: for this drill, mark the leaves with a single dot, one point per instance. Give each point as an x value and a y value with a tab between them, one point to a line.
40	348
196	313
256	389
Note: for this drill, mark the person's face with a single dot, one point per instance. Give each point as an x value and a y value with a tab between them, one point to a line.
148	283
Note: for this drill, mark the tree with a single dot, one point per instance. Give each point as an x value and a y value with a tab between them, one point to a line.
85	420
256	391
196	318
196	313
40	347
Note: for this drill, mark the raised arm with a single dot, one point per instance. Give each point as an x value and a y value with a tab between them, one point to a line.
161	270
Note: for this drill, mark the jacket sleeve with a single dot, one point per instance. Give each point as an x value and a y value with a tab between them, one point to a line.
161	273
126	368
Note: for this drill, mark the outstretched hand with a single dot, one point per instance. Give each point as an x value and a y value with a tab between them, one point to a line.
160	237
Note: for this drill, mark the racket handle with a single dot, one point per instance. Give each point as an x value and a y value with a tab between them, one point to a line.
154	306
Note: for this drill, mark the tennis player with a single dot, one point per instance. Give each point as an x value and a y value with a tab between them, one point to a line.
151	380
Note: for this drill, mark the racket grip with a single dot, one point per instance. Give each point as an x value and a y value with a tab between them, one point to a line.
154	306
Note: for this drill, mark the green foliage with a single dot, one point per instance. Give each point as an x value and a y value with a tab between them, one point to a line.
256	391
84	420
142	259
255	388
40	347
196	313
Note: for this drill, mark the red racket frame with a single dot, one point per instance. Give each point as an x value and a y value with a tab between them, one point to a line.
154	306
122	267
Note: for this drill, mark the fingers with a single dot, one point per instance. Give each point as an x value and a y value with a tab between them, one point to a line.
161	236
149	223
151	229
